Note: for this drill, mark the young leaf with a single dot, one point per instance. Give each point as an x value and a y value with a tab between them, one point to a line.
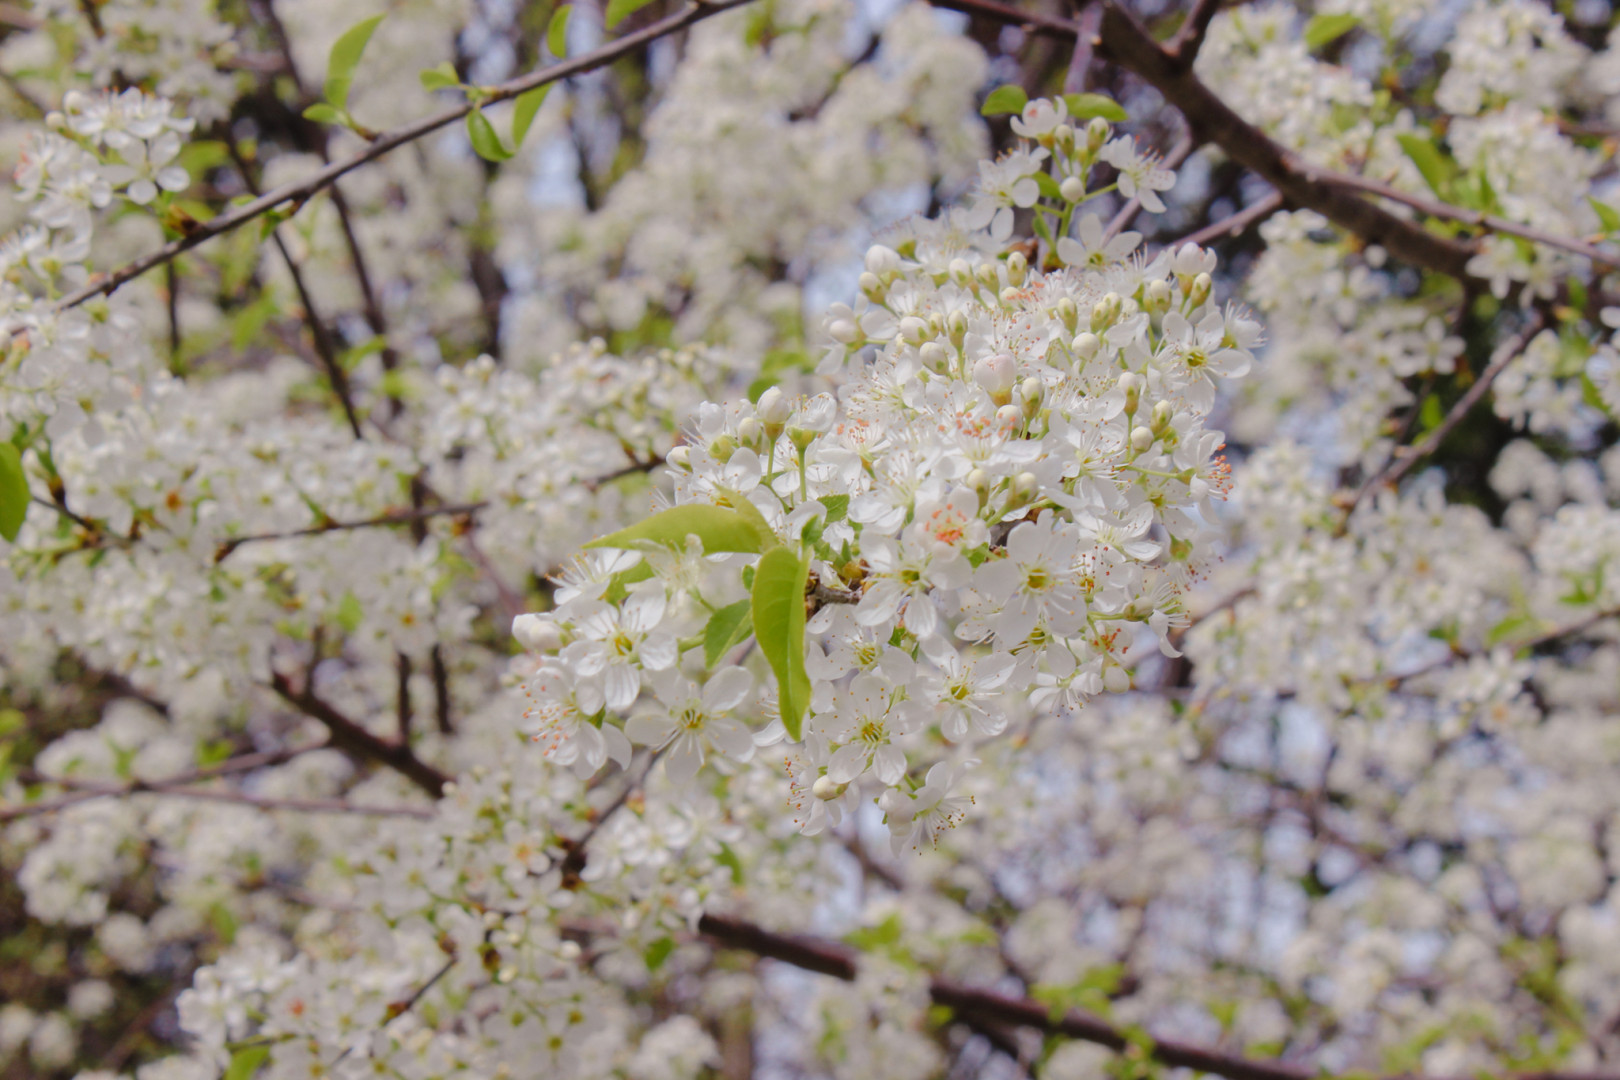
523	110
779	583
1437	169
1325	28
726	627
13	492
441	77
1607	215
1004	99
1087	106
658	952
246	1061
322	113
1049	187
718	528
349	614
620	10
485	143
557	31
837	507
345	56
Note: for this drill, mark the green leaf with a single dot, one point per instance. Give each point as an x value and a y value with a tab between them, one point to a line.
1509	627
1608	216
728	859
441	77
322	113
527	104
837	507
1090	106
717	527
658	952
349	614
620	10
619	584
13	492
727	627
246	1061
557	31
1325	28
1004	99
485	143
345	56
1431	415
1049	187
1437	168
779	583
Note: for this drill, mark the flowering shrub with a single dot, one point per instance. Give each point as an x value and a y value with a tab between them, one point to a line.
804	538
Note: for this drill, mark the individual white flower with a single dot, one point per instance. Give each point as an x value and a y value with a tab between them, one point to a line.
933	808
1040	117
618	642
1091	249
1035	581
691	722
563	716
1140	175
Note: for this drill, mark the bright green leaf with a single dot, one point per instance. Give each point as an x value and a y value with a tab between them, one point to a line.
523	110
441	77
557	32
322	113
1049	187
349	614
726	627
246	1061
1004	99
619	584
1437	168
345	57
1430	415
620	10
1325	28
837	507
658	952
485	143
1607	215
13	492
779	583
718	528
1089	106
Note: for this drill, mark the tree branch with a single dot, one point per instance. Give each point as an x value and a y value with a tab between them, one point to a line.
1236	225
1190	38
349	736
301	191
403	517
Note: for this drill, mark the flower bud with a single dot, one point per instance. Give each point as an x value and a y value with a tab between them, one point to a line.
913	330
1157	295
1063	137
1068	313
996	374
750	432
979	481
957	326
774	407
1017	267
1086	345
882	260
1132	384
987	275
961	271
680	458
843	331
1024	488
1032	390
872	287
826	789
1009	416
1116	680
1073	189
934	357
1096	134
722	448
1141	439
1202	285
537	633
1106	312
1009	295
1163	413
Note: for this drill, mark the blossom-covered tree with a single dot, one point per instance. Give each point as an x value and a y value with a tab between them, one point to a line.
809	538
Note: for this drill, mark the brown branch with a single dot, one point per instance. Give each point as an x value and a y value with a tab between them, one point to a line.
1190	38
350	737
1236	225
403	517
301	191
1405	458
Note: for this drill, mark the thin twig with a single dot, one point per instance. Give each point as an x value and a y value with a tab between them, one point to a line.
402	517
354	739
301	191
1190	38
1236	225
1184	145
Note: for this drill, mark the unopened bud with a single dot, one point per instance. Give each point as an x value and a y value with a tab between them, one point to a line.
957	326
750	432
1068	313
679	457
961	272
1017	267
1009	295
1063	137
1024	488
979	481
1157	295
1073	189
996	374
872	287
1163	413
986	273
1032	390
1106	312
1009	416
773	406
1202	285
1141	439
537	633
843	331
881	260
722	448
826	789
913	330
1096	134
934	356
1116	680
1086	345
